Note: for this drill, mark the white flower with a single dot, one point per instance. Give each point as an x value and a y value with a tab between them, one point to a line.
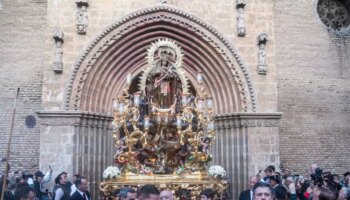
111	172
217	171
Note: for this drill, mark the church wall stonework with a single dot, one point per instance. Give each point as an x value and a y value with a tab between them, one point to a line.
313	89
22	27
221	15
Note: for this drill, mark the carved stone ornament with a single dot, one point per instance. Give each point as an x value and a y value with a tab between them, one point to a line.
58	64
241	31
81	20
163	1
262	67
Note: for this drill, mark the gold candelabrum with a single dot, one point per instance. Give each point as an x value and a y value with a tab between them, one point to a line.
187	149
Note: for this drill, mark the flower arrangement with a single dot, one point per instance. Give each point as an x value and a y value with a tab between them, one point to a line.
111	172
217	171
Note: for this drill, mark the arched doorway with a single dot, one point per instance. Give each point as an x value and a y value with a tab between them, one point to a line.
99	76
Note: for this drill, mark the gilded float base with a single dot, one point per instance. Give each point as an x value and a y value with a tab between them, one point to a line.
186	186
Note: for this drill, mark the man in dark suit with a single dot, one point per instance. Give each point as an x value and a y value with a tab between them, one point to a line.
248	194
82	192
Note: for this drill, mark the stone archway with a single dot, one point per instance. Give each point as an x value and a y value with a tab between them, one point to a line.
122	48
99	74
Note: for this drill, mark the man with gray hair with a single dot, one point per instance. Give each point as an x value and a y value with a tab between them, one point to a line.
248	194
166	195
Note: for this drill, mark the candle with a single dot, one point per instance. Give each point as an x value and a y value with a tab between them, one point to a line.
137	99
128	78
199	77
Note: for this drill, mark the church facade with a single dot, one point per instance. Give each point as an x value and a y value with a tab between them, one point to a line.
278	73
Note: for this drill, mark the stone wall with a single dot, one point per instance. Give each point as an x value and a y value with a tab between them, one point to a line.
22	27
313	89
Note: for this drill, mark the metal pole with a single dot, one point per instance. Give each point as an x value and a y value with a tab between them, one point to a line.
8	148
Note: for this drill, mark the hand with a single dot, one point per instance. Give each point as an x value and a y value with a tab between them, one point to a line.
291	188
50	169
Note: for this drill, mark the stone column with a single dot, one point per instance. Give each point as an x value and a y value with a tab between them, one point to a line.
78	143
246	142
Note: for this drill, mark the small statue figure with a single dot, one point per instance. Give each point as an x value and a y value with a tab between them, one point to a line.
181	155
81	21
205	144
262	40
121	148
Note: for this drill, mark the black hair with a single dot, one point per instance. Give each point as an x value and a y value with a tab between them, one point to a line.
270	168
78	180
123	193
328	194
280	193
59	177
146	190
209	193
23	192
261	184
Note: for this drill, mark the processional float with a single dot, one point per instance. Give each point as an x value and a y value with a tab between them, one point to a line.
163	131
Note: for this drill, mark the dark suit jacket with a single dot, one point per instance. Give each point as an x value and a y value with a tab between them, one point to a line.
245	195
77	196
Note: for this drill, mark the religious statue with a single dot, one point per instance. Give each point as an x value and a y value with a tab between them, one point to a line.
58	63
262	40
82	20
169	141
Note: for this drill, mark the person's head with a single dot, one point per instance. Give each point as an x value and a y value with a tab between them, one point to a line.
262	191
39	176
207	194
61	178
274	180
327	194
25	193
252	181
280	193
82	184
148	192
166	195
270	170
344	193
75	176
313	167
289	180
127	194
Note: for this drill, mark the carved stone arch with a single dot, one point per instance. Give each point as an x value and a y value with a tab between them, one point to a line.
100	69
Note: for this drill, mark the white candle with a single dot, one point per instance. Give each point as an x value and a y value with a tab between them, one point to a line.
128	78
199	77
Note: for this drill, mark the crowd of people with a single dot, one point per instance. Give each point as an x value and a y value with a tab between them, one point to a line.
319	185
267	185
29	187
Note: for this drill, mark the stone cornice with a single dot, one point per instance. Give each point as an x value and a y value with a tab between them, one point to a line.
239	120
70	118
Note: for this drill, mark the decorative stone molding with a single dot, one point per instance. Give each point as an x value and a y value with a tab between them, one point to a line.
262	40
72	118
239	120
81	20
58	64
163	1
241	31
156	14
